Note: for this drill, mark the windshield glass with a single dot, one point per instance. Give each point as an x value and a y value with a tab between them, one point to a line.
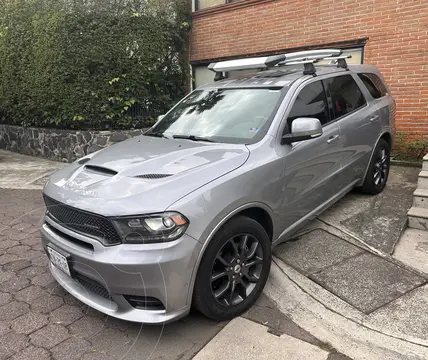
237	116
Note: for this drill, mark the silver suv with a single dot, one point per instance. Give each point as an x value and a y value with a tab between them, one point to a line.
188	213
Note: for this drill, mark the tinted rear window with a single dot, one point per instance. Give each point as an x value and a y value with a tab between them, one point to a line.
374	85
345	94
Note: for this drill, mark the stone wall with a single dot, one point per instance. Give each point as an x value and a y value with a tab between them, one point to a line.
59	145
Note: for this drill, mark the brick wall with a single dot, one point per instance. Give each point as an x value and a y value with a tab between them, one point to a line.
396	32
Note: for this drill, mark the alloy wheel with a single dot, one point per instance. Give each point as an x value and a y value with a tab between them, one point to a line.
381	168
236	270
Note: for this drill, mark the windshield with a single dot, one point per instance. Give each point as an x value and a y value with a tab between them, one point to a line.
237	116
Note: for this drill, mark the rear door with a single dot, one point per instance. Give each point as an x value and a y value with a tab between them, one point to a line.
380	95
359	122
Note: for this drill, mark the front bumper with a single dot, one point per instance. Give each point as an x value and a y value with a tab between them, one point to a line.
160	271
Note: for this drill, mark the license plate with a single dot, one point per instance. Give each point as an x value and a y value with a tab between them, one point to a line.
59	261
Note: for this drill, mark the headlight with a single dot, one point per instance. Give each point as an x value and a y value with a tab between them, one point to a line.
151	229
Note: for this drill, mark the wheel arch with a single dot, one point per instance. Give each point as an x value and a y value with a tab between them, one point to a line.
254	211
385	135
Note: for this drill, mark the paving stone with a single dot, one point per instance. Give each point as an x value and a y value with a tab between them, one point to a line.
66	315
19	250
33	254
31	272
12	234
71	349
13	310
315	251
29	322
367	282
97	355
21	226
71	300
113	342
5	298
4	327
6	276
41	261
17	265
6	243
11	343
30	293
49	336
14	285
7	258
337	356
43	279
32	353
87	327
56	289
46	303
31	240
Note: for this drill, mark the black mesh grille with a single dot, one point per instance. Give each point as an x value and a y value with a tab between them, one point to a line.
153	176
92	286
95	226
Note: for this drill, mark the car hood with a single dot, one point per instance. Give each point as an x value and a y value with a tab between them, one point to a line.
142	175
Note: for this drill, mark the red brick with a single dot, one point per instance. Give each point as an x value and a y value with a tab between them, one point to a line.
397	40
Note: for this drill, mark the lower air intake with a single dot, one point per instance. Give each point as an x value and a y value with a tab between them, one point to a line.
145	303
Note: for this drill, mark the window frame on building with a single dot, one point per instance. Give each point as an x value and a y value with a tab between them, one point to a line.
196	6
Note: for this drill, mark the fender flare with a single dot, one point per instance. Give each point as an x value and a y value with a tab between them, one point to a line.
371	156
211	235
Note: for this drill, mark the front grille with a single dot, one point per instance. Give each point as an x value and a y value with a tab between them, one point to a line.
92	286
95	226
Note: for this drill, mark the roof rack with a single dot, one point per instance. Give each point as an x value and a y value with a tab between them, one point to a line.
307	58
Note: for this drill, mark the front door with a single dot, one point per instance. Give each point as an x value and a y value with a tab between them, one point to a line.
312	168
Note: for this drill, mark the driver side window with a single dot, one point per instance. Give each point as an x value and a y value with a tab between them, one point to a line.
311	102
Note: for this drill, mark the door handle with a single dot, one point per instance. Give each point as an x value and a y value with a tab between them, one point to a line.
374	118
333	139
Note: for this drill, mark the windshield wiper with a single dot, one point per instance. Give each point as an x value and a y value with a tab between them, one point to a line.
155	134
192	138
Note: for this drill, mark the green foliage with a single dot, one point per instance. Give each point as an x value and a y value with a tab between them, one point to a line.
97	64
409	149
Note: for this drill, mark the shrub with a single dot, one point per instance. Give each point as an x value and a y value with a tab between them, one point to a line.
409	149
97	64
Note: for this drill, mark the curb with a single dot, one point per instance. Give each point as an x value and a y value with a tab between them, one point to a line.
333	321
406	163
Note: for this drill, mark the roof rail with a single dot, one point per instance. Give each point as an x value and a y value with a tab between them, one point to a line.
308	58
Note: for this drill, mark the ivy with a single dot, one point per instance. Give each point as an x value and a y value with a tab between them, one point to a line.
92	64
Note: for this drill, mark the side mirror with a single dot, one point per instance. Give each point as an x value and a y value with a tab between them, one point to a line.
303	129
160	117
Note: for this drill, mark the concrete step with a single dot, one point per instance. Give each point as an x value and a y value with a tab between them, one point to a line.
425	164
418	218
423	180
412	249
420	198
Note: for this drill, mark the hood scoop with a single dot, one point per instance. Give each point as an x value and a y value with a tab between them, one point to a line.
153	176
101	170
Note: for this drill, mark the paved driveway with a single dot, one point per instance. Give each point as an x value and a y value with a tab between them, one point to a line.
39	320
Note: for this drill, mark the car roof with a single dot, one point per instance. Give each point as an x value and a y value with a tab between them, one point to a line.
280	77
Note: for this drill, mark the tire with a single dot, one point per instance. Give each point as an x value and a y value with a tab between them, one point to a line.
229	256
378	172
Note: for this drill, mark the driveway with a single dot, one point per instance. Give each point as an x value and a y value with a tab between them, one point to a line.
39	320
